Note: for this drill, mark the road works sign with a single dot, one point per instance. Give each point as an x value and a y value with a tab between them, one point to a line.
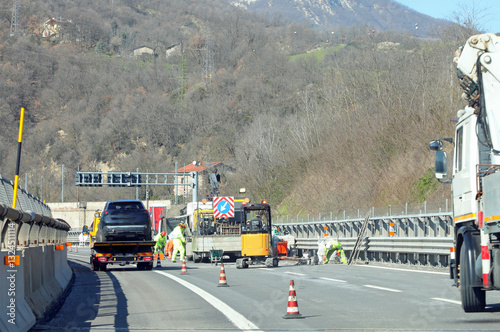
223	207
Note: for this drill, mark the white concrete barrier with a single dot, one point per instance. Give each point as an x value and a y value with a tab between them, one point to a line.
34	271
16	314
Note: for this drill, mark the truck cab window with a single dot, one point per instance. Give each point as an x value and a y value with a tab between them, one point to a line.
459	150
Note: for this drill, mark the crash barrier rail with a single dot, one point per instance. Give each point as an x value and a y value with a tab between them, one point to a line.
407	209
423	239
34	270
404	250
25	200
74	235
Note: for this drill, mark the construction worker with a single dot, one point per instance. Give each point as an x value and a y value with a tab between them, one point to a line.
160	247
170	248
330	248
179	241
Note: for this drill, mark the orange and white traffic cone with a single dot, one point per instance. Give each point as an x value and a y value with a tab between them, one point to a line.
183	270
69	248
76	249
222	278
293	307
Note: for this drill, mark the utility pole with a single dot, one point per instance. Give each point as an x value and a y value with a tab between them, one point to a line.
182	78
208	59
15	18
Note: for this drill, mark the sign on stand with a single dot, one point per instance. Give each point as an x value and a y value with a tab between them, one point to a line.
223	207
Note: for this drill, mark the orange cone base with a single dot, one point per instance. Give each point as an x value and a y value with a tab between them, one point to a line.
291	316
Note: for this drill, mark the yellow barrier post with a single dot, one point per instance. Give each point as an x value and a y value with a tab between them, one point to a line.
19	143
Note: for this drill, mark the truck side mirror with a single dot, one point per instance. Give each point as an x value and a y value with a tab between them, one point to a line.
436	145
440	165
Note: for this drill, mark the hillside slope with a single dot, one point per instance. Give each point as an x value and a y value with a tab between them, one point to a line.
385	15
309	123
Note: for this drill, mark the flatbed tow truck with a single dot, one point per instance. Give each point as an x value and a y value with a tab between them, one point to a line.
119	252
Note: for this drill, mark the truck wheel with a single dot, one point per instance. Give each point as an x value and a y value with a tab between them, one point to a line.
149	267
196	258
95	265
103	267
473	298
239	263
269	262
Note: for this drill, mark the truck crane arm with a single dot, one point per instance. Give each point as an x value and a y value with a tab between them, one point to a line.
478	70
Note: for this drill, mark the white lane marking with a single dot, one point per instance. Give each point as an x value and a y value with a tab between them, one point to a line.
383	288
295	273
330	279
405	270
446	300
235	317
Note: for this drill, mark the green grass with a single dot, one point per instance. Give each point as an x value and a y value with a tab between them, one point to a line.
319	55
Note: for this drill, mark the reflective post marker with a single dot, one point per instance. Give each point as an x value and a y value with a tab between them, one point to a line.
19	143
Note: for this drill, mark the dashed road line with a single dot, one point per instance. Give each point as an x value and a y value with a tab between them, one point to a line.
331	279
447	300
383	288
404	270
295	273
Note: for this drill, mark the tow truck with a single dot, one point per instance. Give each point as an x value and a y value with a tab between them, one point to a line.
475	180
106	251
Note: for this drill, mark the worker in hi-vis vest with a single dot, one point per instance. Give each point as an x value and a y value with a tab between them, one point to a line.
330	248
179	241
160	247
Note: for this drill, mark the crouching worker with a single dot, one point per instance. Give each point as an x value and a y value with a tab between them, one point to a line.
160	247
330	248
179	241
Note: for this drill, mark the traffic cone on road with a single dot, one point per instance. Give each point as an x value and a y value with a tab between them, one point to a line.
183	270
222	278
69	248
76	248
293	307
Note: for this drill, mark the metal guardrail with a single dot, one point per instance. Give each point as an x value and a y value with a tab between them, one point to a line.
25	200
404	250
28	229
423	239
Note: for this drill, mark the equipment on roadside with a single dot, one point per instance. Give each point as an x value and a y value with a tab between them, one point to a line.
256	237
475	180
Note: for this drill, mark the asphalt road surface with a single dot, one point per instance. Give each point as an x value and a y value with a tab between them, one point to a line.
329	298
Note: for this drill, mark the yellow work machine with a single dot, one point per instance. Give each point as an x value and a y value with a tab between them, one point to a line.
256	237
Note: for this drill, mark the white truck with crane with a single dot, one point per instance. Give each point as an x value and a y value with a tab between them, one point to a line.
475	179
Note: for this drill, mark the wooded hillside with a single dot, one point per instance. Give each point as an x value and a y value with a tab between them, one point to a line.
309	123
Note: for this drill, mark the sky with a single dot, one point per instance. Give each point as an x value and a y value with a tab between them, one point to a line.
487	10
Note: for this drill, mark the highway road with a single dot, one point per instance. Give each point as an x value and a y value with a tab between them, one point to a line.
330	298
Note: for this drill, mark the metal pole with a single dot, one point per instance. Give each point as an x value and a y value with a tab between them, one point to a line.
62	183
137	187
18	162
176	190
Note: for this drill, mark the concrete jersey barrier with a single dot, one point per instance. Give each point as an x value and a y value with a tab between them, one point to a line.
35	271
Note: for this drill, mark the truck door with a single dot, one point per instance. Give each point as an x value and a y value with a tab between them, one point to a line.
464	170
